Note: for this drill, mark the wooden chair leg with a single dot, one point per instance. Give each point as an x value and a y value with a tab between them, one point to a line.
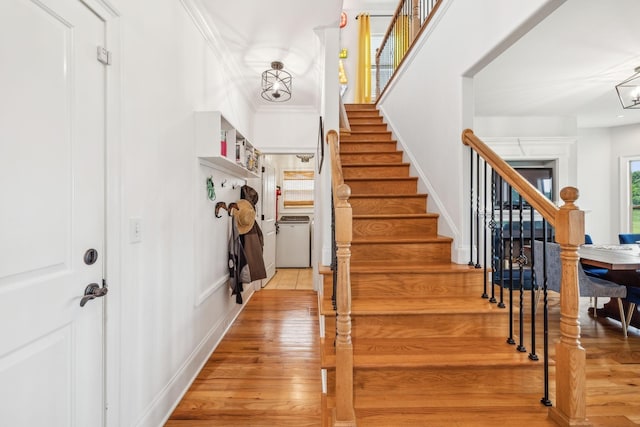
622	317
630	311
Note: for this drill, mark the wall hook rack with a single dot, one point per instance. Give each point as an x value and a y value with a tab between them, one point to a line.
222	184
223	205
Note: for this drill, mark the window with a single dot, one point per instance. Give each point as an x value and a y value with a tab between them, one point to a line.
634	194
297	189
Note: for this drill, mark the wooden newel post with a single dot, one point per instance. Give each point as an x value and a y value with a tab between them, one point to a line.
571	402
344	414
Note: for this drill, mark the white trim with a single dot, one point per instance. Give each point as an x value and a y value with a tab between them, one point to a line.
211	289
219	49
556	149
623	173
162	406
113	207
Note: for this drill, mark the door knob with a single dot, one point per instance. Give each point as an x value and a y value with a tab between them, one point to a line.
92	291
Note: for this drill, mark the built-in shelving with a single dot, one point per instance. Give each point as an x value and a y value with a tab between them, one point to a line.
213	132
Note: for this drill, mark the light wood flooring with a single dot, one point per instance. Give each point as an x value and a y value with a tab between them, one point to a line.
291	278
266	372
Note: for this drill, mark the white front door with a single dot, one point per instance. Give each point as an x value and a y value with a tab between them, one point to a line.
52	166
269	221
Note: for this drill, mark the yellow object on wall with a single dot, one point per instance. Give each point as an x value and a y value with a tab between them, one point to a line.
363	71
342	75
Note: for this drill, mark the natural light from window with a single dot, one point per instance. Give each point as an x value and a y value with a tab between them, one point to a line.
634	193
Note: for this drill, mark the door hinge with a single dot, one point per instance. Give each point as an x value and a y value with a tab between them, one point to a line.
104	283
104	55
263	169
261	217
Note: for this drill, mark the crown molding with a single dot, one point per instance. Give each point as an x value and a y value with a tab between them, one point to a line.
218	47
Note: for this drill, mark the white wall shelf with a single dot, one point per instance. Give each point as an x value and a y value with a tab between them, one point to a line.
229	166
240	159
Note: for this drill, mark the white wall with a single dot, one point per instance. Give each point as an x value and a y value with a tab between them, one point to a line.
596	180
167	324
284	130
426	105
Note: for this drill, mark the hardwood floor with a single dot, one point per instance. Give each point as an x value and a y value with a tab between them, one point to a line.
266	372
291	278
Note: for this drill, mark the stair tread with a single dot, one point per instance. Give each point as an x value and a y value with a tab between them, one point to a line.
370	306
397	216
436	352
354	153
388	196
385	178
376	267
368	164
400	239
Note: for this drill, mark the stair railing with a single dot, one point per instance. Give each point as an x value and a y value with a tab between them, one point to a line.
408	21
344	413
567	222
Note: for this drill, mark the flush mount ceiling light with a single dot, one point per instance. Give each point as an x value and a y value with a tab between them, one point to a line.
304	157
629	91
276	83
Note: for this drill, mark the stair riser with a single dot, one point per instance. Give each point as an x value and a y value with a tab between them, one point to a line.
422	253
400	227
365	120
367	146
409	186
399	205
370	127
359	112
394	171
367	136
359	107
360	158
424	326
415	284
362	114
417	385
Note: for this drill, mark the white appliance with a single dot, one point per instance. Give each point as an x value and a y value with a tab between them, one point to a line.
293	242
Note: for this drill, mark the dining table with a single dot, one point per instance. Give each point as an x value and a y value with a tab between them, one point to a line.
622	262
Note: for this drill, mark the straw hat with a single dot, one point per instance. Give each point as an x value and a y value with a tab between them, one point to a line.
244	216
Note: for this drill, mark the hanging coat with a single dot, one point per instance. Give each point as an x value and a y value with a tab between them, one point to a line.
238	267
253	243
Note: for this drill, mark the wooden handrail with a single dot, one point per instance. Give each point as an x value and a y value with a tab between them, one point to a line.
531	194
344	414
568	220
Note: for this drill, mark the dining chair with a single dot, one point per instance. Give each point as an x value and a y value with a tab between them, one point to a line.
591	270
589	286
628	238
633	298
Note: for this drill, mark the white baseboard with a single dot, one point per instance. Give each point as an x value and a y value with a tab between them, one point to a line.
166	401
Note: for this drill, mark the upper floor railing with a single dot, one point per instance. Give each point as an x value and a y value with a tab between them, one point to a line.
410	17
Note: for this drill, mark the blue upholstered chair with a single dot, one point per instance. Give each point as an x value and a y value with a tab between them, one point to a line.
591	270
589	286
633	298
629	238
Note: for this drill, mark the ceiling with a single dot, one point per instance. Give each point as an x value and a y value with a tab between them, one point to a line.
256	33
568	65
